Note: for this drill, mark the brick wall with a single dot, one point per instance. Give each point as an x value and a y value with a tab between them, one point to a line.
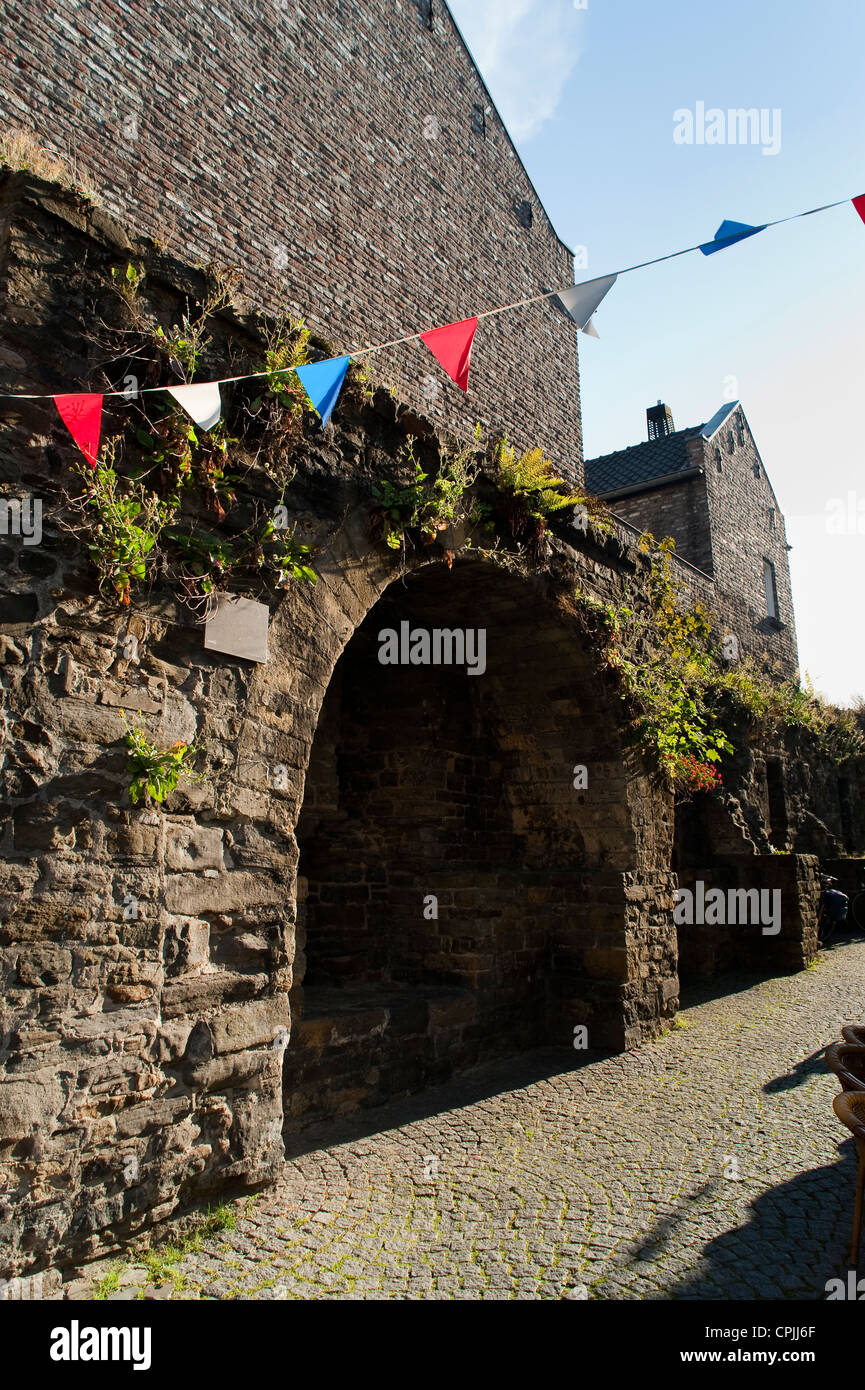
346	157
748	527
679	510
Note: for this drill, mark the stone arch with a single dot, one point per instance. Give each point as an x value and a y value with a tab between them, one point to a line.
553	902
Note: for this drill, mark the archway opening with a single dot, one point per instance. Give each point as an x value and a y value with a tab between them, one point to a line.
461	886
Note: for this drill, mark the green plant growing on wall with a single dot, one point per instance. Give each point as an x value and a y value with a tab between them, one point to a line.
395	507
278	551
530	493
155	772
287	348
122	524
209	560
428	505
686	700
280	400
172	445
776	705
183	345
530	477
128	281
661	657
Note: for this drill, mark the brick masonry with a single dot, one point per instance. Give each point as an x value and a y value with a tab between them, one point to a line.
347	158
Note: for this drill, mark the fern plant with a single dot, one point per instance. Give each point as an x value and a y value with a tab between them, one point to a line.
530	493
531	476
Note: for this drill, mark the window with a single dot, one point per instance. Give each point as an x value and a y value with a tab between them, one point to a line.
523	210
771	588
771	518
718	460
741	433
731	443
755	469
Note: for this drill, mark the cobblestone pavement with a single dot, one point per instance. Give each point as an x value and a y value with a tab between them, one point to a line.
708	1164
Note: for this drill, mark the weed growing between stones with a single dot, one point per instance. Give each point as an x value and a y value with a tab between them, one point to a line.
120	522
529	493
109	1284
279	408
415	508
156	772
423	507
161	468
159	1261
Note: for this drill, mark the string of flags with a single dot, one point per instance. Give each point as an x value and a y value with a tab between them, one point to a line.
451	345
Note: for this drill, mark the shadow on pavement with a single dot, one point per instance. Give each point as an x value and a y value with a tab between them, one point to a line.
798	1075
798	1237
478	1084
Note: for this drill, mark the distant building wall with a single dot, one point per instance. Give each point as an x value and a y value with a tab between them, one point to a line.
677	509
748	528
347	157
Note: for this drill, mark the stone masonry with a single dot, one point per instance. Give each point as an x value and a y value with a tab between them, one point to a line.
149	953
725	518
184	981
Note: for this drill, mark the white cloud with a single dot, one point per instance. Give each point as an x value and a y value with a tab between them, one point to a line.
526	51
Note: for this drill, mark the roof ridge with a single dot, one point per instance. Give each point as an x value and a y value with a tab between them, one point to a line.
643	443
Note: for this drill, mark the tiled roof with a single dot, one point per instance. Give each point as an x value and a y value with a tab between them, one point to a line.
654	458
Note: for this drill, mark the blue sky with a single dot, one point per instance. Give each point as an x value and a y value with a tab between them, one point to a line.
589	96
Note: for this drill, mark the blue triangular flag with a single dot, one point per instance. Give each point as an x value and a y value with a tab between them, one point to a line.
727	234
322	382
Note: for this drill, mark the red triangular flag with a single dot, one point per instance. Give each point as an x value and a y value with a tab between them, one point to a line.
859	205
82	416
452	345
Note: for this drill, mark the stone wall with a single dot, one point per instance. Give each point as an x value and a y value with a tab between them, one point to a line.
346	157
747	527
181	981
148	953
726	521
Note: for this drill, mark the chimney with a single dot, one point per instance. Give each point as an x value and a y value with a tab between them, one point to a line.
660	420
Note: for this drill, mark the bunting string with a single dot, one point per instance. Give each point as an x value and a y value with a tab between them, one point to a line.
451	344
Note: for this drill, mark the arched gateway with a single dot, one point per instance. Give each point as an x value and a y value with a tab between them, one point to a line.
482	861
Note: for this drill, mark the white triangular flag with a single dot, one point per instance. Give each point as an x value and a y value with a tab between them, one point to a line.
590	330
581	301
201	401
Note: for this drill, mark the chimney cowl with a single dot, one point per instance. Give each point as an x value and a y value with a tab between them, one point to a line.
659	419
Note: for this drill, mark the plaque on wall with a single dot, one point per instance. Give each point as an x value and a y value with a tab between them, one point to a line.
238	627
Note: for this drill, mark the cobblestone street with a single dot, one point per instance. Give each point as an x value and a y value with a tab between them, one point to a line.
706	1165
